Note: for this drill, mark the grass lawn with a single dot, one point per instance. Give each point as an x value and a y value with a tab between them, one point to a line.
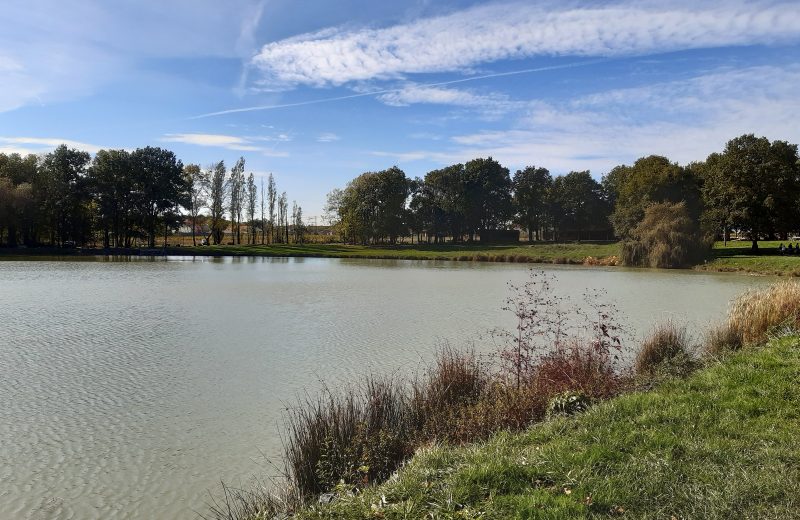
573	252
738	256
723	443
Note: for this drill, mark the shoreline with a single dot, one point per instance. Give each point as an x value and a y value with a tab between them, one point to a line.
590	254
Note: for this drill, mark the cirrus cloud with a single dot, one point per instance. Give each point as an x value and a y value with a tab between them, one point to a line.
230	142
489	33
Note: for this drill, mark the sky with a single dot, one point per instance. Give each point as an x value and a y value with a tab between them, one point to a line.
317	92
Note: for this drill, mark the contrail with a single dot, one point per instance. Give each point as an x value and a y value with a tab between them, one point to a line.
398	89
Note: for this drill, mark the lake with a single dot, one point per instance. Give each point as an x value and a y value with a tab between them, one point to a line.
130	387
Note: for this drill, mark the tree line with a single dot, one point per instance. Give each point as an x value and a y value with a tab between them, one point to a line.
753	186
122	198
464	202
655	206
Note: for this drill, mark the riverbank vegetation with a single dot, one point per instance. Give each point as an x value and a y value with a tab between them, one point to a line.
664	214
590	253
476	437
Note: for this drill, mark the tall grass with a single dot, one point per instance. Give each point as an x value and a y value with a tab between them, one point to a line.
357	436
757	313
667	343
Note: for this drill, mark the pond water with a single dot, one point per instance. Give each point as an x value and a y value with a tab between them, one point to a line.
130	387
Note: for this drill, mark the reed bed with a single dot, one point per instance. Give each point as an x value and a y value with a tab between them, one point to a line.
757	313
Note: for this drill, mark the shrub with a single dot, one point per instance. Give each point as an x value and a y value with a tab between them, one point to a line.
667	343
577	367
757	313
722	338
667	237
456	380
333	438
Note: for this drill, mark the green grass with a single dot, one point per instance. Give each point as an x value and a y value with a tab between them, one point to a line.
573	252
737	256
720	444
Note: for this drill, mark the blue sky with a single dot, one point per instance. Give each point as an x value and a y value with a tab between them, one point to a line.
319	91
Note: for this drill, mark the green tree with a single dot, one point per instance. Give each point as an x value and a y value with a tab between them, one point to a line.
159	186
62	181
531	186
19	200
487	193
218	198
237	193
111	180
373	206
667	237
199	182
650	180
754	184
578	205
440	203
252	199
272	195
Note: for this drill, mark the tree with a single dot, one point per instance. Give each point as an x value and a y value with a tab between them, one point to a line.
236	191
487	192
252	198
283	218
159	187
263	219
272	194
373	206
441	202
298	227
531	186
199	184
217	196
667	237
62	181
753	184
578	205
19	198
650	180
111	183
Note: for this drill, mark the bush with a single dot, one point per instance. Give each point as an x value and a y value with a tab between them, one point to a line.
334	438
577	368
667	343
667	237
722	338
456	381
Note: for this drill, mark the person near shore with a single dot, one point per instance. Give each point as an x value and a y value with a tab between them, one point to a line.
790	249
781	249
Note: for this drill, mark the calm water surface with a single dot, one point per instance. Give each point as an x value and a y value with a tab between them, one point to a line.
129	389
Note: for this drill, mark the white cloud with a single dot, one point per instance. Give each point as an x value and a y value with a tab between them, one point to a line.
36	145
494	32
327	137
230	142
432	94
683	120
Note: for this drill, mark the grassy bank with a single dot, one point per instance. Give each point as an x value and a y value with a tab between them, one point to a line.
735	257
562	253
568	253
738	257
720	444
